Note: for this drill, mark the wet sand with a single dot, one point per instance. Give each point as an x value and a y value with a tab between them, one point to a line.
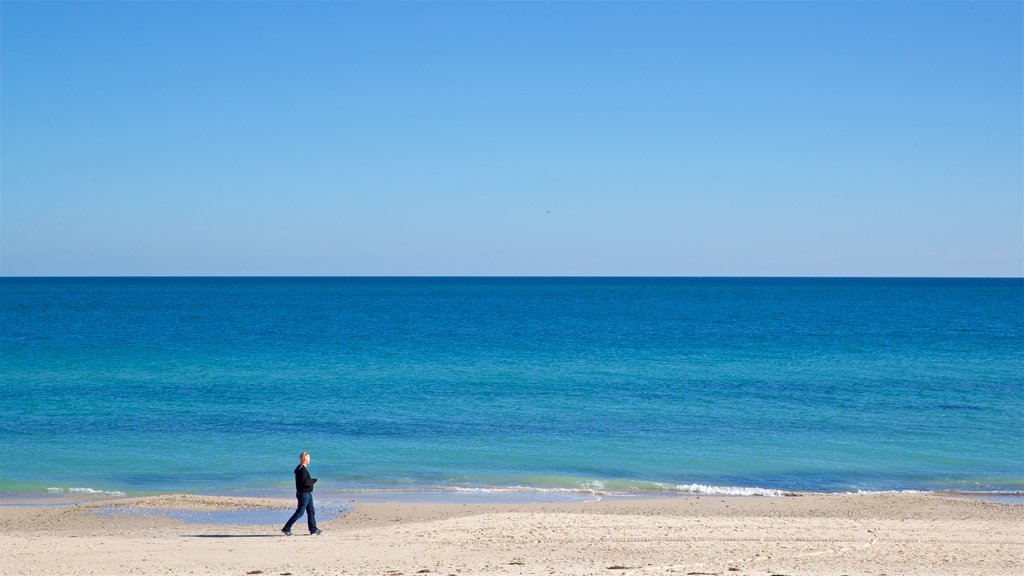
919	534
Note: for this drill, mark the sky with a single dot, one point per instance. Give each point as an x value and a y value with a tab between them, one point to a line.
519	138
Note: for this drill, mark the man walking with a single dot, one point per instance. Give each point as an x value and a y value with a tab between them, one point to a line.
304	494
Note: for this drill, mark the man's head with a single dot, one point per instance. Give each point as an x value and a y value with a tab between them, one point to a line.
304	458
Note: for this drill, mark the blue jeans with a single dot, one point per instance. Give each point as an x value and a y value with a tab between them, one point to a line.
305	505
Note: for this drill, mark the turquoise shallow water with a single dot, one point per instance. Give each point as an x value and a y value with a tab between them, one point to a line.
481	385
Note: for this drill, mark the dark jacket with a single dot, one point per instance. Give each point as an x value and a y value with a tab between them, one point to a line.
303	483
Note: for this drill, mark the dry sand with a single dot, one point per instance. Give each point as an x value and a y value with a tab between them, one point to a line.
925	534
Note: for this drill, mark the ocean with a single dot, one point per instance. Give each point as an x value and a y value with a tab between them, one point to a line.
536	386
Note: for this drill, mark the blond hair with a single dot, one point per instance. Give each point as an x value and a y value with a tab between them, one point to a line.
303	456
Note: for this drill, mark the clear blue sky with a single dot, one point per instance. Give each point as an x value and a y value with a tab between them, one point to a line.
196	138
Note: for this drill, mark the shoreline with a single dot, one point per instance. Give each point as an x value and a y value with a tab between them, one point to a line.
894	533
479	495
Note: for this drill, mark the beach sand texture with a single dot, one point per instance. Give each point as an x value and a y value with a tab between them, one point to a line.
925	534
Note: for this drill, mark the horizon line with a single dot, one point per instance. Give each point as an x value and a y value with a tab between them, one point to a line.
494	276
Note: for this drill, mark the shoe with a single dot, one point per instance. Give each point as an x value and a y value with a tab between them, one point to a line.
286	531
315	532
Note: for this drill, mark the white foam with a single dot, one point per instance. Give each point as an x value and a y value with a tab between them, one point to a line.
597	488
725	490
84	491
512	489
886	492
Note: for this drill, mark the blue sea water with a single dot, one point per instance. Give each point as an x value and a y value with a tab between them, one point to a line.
610	385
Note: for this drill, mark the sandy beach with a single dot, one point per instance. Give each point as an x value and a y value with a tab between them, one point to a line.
926	534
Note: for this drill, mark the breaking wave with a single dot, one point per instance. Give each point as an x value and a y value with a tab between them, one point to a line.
92	491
